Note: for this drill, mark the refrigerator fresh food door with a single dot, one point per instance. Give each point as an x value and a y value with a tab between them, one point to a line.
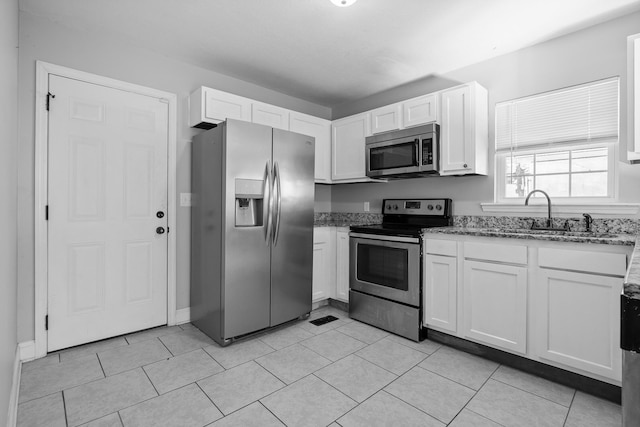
246	290
292	250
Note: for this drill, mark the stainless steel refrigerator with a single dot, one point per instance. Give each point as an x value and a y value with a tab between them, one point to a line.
251	228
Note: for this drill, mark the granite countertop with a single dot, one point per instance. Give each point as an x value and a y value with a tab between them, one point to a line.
569	236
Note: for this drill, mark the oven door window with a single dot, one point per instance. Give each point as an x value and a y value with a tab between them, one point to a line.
383	265
400	155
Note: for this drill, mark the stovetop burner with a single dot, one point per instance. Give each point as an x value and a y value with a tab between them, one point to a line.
407	217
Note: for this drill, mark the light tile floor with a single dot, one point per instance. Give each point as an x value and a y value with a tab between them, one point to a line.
344	373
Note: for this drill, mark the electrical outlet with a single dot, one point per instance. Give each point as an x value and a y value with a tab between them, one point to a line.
366	206
185	199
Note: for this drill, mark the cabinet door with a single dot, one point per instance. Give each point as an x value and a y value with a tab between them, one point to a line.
342	266
440	292
222	106
456	143
579	323
320	129
347	149
495	304
419	111
322	263
386	118
270	115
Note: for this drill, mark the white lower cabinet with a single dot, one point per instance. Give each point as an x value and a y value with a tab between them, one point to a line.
330	263
440	292
342	264
323	263
579	312
495	304
553	302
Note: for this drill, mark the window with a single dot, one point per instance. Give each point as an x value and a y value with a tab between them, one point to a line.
563	142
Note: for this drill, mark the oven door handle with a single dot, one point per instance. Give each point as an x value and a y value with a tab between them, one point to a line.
385	237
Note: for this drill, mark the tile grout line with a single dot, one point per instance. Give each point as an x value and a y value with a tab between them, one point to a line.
535	394
149	378
209	397
101	367
482	416
474	394
573	398
449	379
64	407
269	410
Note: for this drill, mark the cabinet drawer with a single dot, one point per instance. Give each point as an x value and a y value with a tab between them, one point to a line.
441	247
587	261
510	254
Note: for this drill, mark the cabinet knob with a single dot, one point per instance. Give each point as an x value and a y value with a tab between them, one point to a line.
160	230
464	166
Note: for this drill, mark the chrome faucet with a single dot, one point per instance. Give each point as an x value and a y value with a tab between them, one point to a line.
587	222
526	203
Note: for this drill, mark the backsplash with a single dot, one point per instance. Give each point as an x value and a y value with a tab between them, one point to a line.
600	225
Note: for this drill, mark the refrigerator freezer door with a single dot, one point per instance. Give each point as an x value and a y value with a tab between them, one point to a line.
292	251
246	289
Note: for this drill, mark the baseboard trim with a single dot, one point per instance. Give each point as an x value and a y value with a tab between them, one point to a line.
27	350
12	415
183	315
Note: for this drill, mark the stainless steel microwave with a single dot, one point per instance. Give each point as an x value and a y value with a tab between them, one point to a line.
406	153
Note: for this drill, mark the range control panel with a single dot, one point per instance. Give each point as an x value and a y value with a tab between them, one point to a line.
435	207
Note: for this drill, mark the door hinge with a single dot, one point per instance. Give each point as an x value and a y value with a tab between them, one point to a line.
167	230
46	213
49	96
46	322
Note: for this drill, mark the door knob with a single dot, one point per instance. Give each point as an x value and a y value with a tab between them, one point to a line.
160	230
160	214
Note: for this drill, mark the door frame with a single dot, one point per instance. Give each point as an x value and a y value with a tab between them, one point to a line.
43	70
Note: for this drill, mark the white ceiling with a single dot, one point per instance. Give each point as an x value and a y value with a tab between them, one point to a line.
325	54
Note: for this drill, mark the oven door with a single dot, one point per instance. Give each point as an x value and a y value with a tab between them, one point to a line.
385	266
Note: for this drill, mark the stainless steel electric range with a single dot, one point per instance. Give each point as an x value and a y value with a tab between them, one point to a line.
385	265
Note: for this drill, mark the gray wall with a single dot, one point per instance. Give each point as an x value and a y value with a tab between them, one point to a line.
8	186
114	58
594	53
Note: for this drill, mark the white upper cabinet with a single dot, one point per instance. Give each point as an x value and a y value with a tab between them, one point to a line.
320	129
386	118
270	115
464	132
420	110
347	148
208	107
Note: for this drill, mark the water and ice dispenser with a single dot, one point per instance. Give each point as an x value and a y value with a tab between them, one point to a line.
249	202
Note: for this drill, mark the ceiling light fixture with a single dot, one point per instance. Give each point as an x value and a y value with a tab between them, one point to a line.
343	3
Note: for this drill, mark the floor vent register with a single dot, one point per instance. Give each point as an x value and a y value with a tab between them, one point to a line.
323	320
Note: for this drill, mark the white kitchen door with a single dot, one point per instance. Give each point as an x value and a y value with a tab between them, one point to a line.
107	212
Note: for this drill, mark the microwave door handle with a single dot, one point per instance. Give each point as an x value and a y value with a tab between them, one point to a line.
418	150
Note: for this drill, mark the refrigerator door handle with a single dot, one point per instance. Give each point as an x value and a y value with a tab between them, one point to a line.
278	194
267	202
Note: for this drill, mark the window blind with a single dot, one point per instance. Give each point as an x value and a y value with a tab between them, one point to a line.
581	114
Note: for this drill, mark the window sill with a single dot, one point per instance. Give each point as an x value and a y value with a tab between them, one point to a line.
613	209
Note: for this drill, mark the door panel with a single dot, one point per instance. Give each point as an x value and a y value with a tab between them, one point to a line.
107	266
292	252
